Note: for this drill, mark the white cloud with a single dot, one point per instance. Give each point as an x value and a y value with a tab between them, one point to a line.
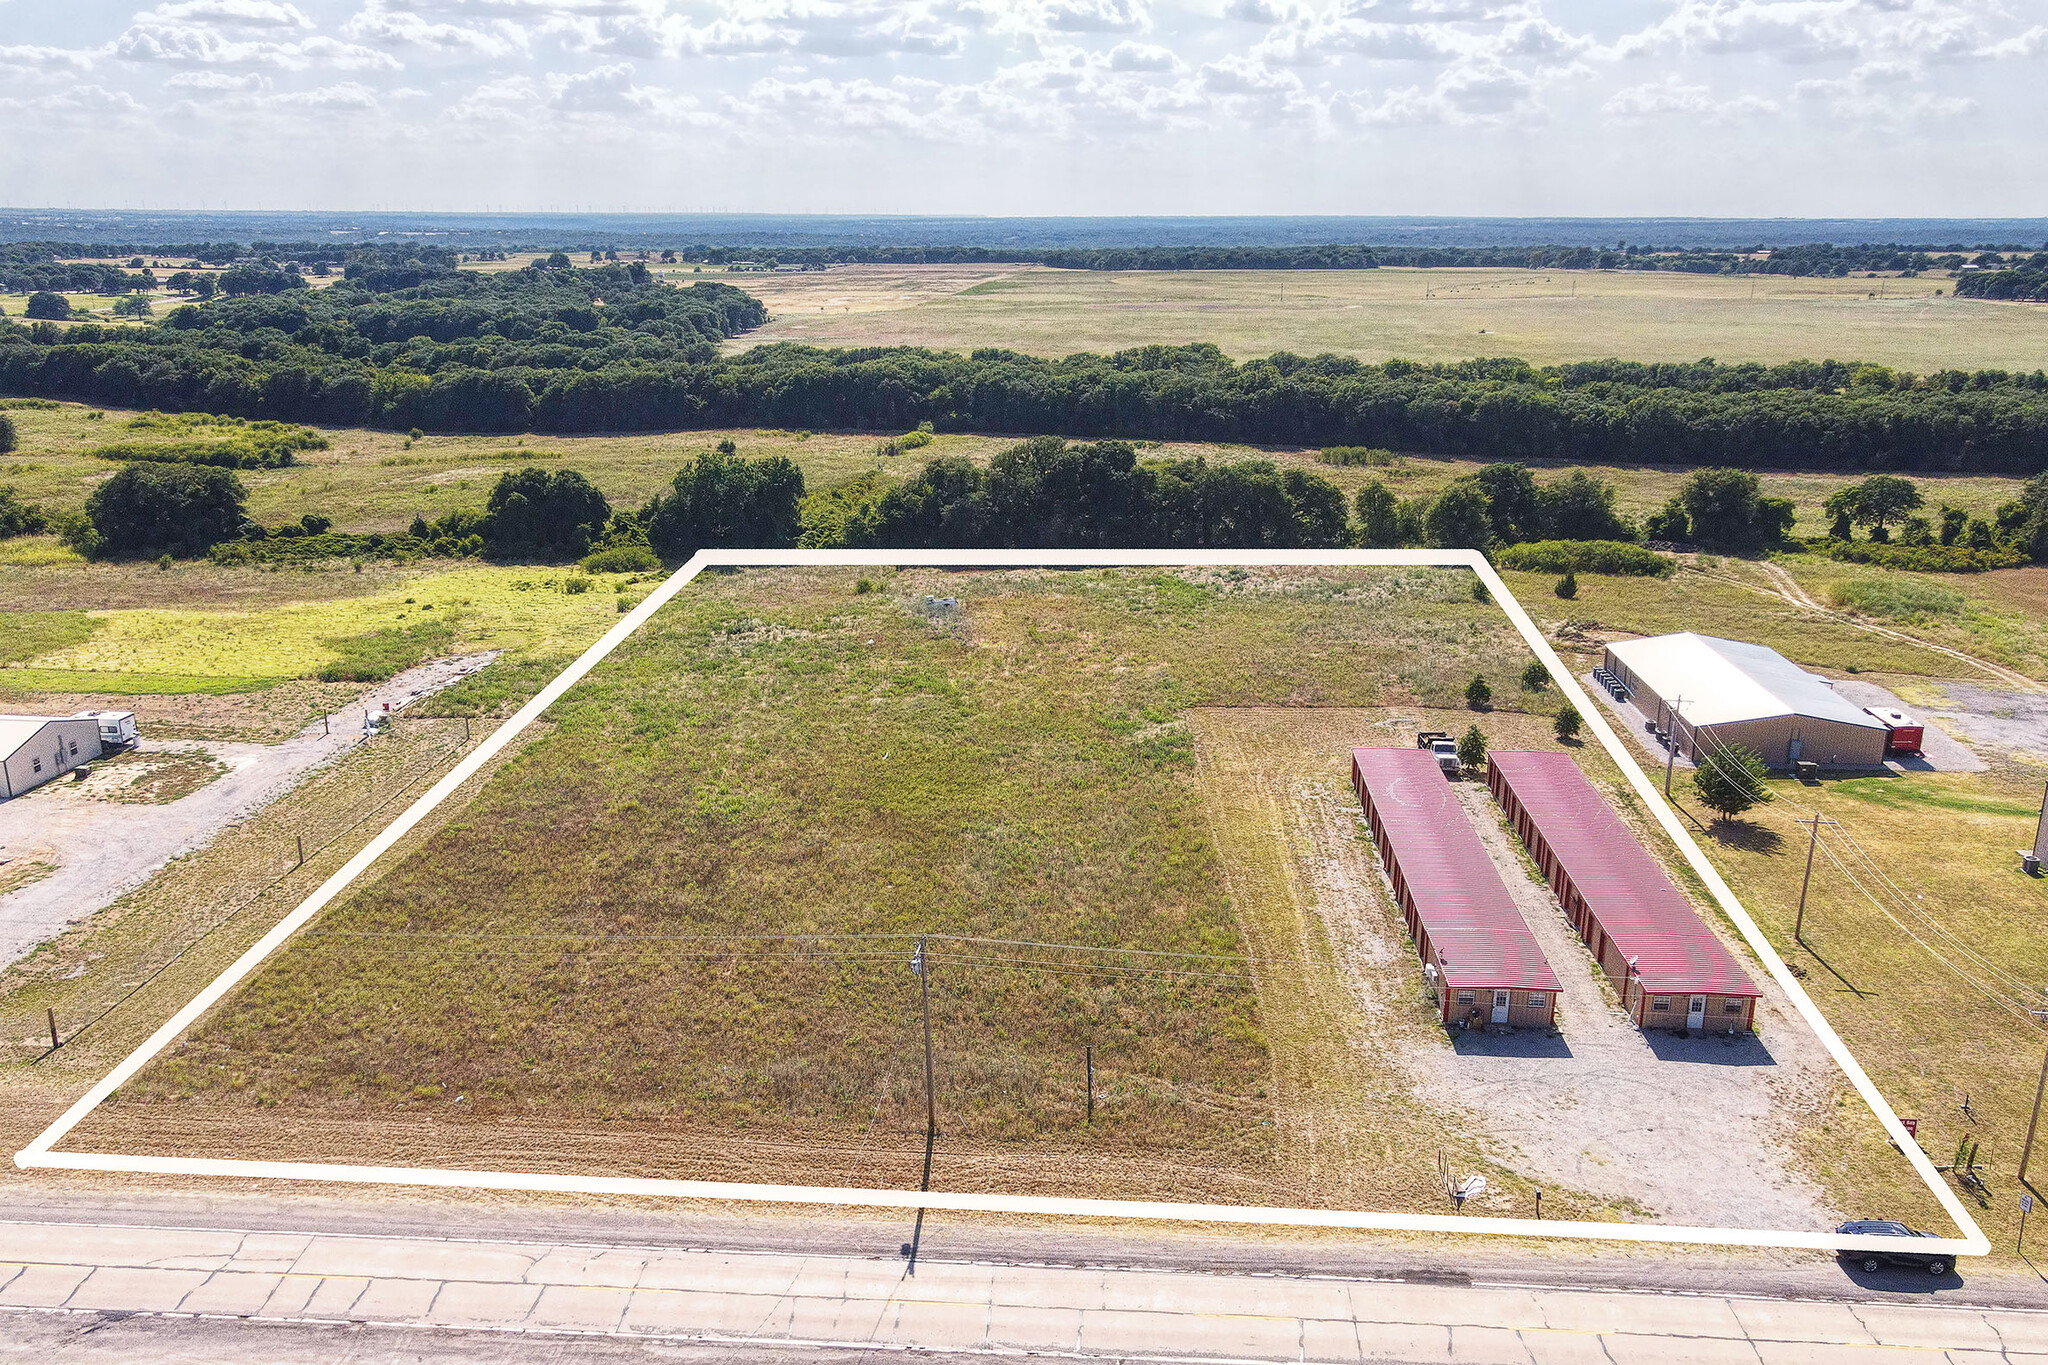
389	26
1672	96
1143	57
31	57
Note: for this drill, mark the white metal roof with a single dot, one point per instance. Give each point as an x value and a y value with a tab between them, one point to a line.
16	731
1723	681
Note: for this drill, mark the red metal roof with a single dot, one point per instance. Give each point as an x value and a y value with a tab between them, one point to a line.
1480	938
1624	888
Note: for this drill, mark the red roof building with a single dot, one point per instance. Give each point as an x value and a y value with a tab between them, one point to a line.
1489	969
1671	970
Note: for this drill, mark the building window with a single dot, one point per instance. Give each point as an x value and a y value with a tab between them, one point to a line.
39	765
74	748
1732	1006
1538	999
1465	997
1660	1002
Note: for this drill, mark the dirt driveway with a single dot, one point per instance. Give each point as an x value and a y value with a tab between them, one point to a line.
102	844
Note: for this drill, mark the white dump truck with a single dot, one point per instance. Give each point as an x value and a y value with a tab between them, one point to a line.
1441	747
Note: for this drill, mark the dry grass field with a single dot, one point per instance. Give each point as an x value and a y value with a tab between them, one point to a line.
1117	801
1543	317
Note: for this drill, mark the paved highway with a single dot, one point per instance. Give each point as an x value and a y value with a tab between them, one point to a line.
73	1290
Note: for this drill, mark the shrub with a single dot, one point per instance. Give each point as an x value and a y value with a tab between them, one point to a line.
1566	726
575	585
1568	586
1618	557
621	559
9	439
1898	599
1926	558
47	306
533	514
1472	747
1535	677
151	508
18	518
1373	457
1478	695
1730	780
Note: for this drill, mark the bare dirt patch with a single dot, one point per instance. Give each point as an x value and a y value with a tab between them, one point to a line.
156	776
268	716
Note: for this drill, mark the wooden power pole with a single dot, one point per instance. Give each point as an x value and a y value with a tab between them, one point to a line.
1812	842
921	963
2027	1150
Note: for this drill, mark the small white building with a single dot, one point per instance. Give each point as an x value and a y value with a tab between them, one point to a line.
34	749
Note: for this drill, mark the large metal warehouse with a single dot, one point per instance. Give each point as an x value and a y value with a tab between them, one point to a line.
1669	968
34	749
1706	691
1489	969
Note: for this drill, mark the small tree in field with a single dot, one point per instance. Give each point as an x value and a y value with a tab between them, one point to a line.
1731	780
1472	748
1567	724
1535	677
1478	695
1568	586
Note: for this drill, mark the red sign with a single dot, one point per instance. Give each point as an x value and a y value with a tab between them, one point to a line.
1912	1127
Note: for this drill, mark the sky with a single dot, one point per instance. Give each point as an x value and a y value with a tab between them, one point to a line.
1714	108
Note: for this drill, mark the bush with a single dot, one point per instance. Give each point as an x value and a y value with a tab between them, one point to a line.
1568	586
1586	556
1478	695
1925	558
621	559
153	508
9	439
47	306
1472	747
1566	726
1730	780
533	514
1535	677
1372	457
575	585
18	518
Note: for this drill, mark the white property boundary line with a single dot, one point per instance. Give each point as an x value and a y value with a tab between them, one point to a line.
38	1154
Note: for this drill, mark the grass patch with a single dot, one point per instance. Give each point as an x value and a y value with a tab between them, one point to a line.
380	654
131	684
1897	598
30	633
157	778
778	754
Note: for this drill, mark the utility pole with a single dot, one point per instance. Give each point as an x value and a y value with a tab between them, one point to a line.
1812	842
1091	1082
2027	1150
1671	749
921	963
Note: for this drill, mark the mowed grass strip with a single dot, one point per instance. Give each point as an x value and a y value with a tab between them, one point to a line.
778	754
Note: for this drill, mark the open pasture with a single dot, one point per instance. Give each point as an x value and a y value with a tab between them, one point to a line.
757	806
1545	317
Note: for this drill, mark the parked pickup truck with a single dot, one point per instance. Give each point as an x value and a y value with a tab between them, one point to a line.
1443	747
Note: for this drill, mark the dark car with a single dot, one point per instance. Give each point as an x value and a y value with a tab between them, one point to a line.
1870	1262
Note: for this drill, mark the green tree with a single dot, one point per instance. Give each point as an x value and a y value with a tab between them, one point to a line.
1379	516
1568	586
8	437
1727	510
1535	677
1730	780
1460	518
132	306
1512	502
47	306
1566	726
1478	695
534	514
1669	522
149	509
1472	747
1580	507
1875	502
721	500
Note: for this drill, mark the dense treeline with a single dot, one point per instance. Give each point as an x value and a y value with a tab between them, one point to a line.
2026	281
610	349
265	267
1819	259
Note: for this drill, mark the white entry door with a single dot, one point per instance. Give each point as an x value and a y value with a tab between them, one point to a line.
1696	1012
1500	1007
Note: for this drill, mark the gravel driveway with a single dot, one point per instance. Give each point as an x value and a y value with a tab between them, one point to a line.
103	849
1690	1130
